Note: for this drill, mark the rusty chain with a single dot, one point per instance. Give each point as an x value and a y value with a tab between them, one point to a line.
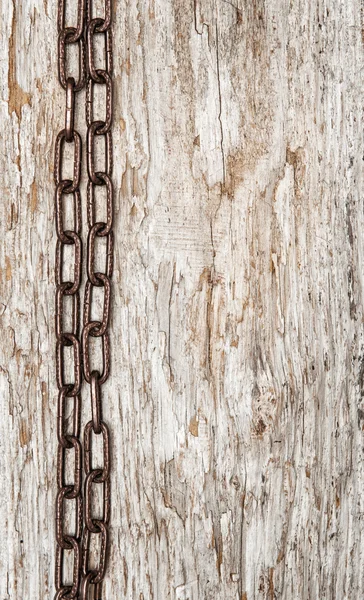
86	582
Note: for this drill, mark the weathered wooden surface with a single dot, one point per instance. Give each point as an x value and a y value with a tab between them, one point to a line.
238	351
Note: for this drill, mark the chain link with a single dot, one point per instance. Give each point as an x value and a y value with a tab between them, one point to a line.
66	37
86	582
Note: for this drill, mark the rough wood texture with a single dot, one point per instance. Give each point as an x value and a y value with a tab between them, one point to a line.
238	349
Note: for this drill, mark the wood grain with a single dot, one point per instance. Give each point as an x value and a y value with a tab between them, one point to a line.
236	395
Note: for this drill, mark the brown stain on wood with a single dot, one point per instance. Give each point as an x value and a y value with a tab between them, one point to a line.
17	96
8	270
235	342
193	428
24	433
33	197
219	550
126	65
125	575
296	159
271	595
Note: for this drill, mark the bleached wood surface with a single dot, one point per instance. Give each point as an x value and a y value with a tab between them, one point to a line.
235	399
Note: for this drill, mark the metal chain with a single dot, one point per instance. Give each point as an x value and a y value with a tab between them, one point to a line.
69	496
99	176
86	582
